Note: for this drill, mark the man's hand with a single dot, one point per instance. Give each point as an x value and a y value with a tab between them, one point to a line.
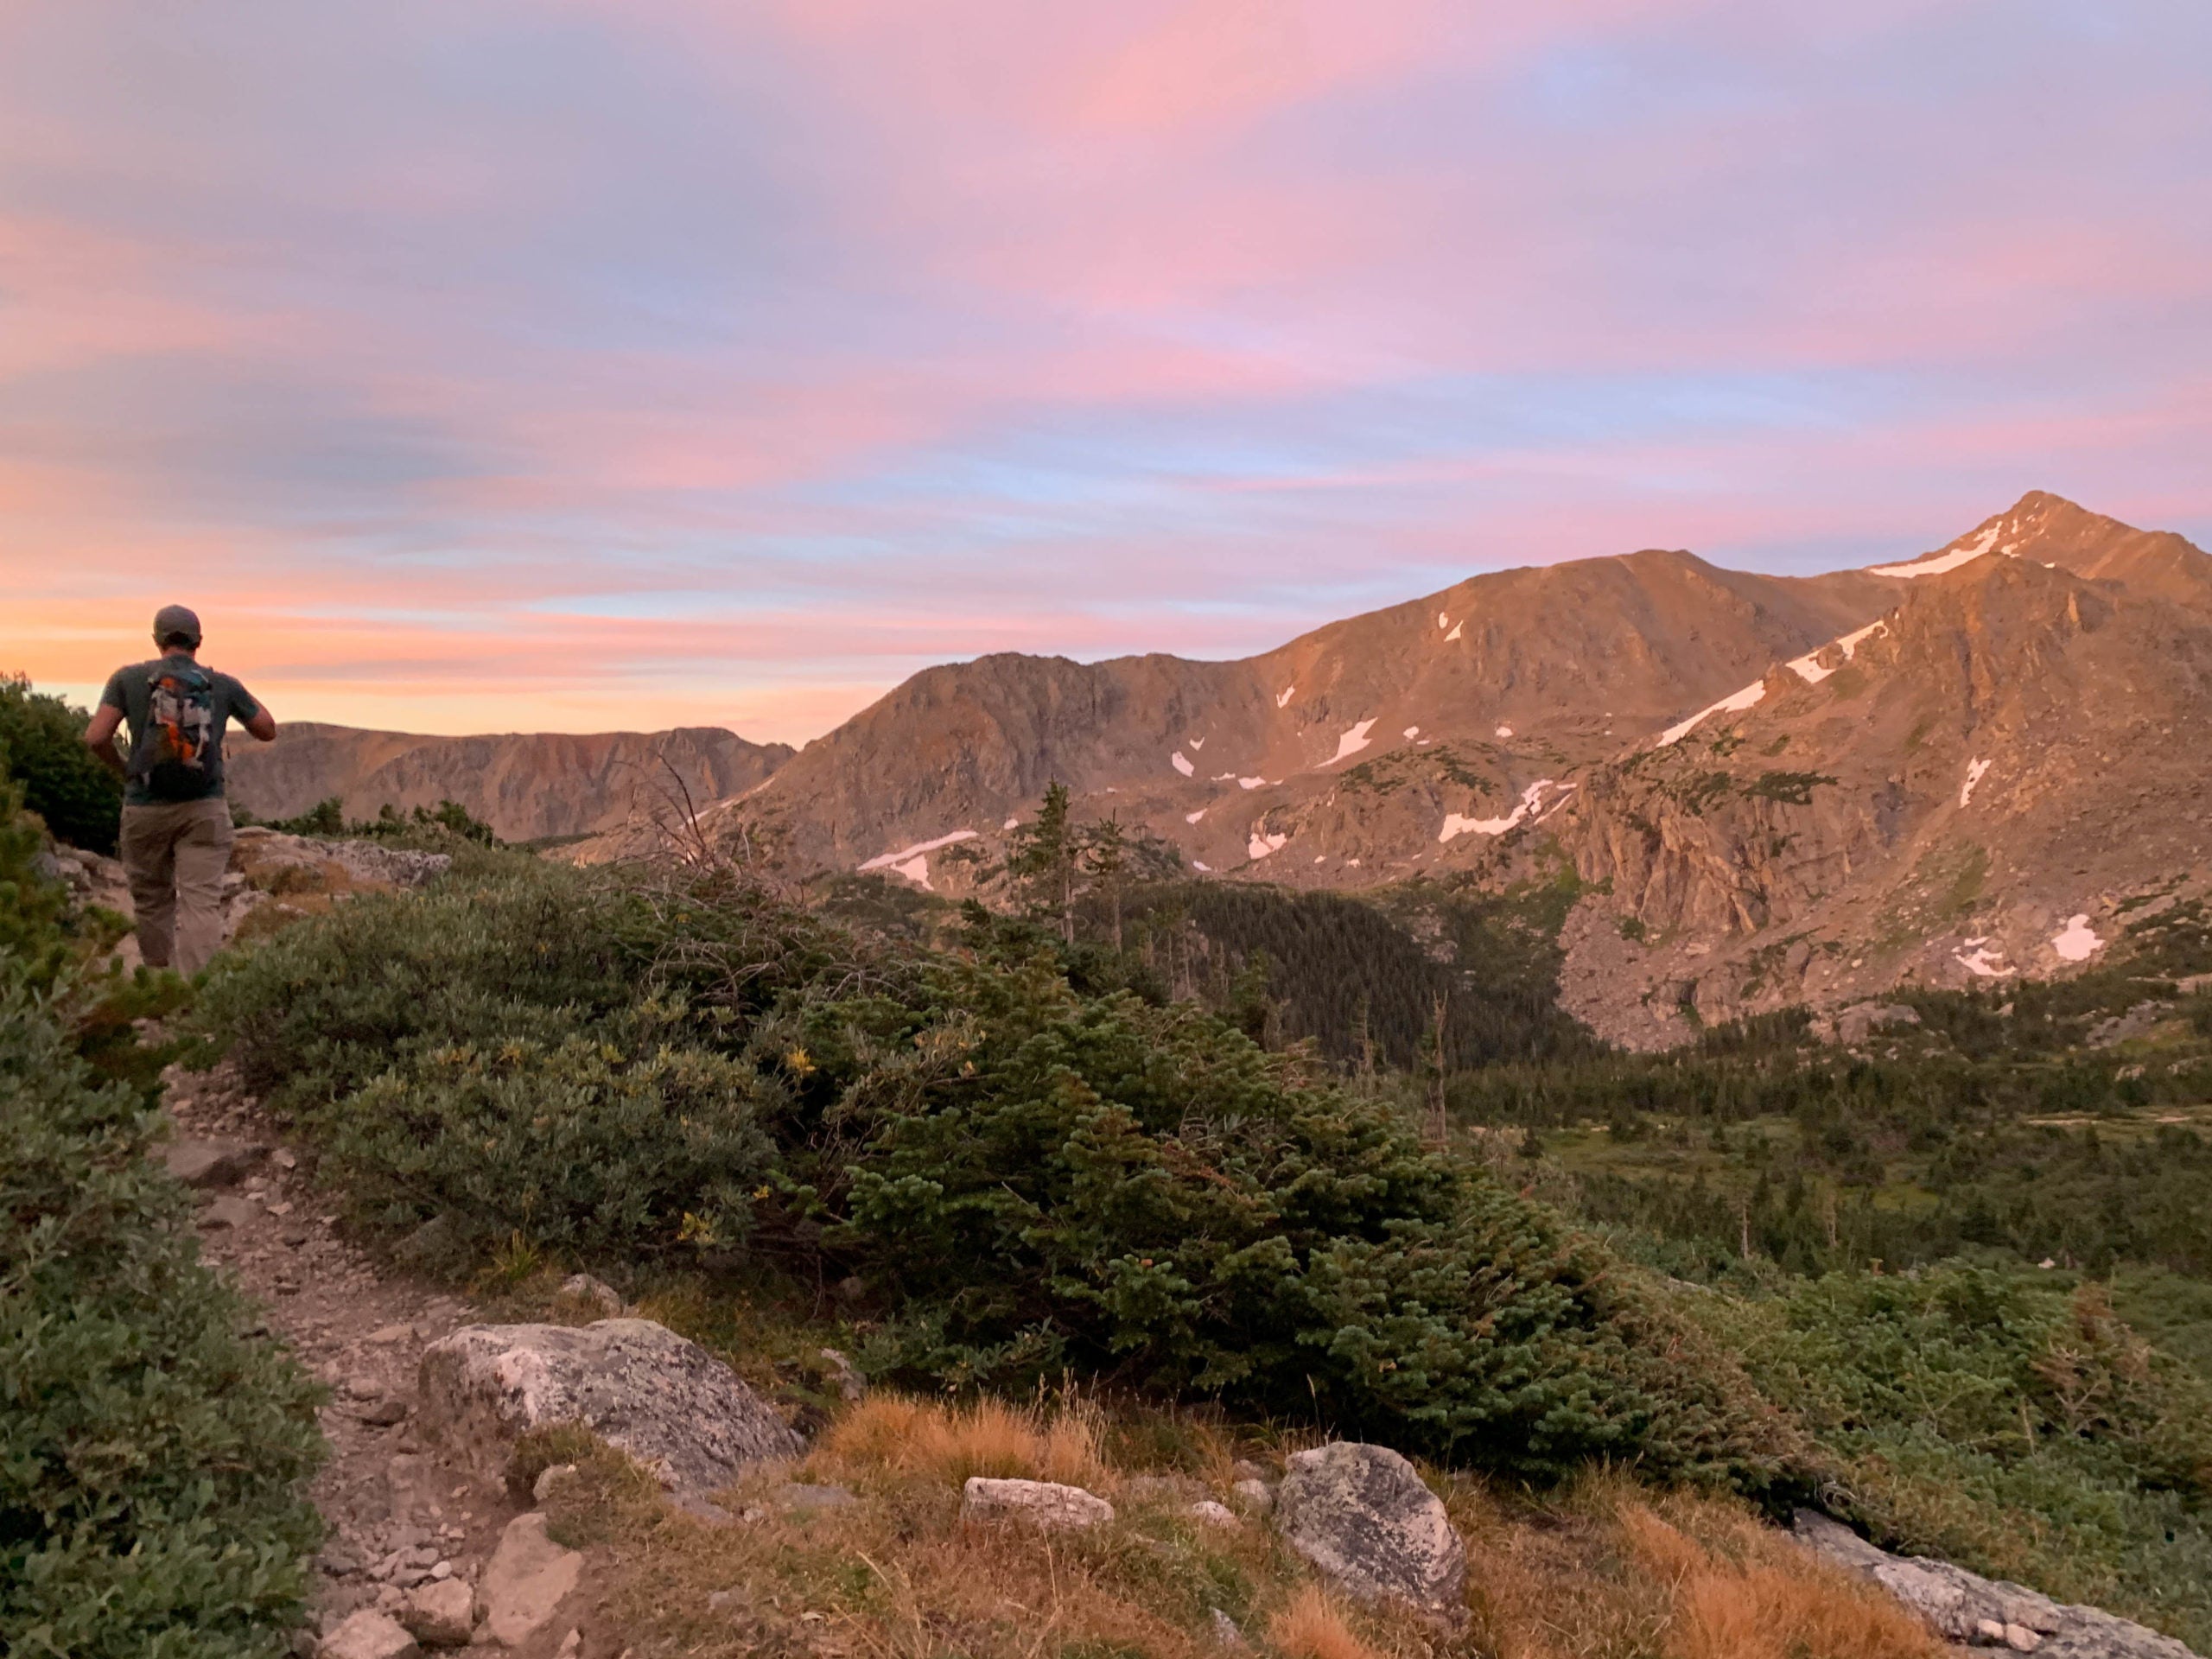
99	737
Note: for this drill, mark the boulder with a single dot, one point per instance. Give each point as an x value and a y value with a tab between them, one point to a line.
441	1614
525	1581
1044	1505
1363	1517
368	1635
1965	1607
638	1386
1209	1513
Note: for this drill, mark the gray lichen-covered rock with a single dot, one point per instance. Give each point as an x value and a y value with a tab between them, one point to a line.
638	1386
1361	1514
1044	1505
1965	1607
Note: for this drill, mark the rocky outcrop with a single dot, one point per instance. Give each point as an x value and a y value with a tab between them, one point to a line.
1965	1607
638	1386
1047	1505
1362	1516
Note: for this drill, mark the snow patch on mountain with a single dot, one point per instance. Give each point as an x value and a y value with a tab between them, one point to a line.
1505	731
1975	769
1457	629
1443	619
1735	704
1193	818
1282	699
1181	762
895	861
2076	941
1352	742
1262	843
1980	960
1197	743
1249	783
1936	564
1412	731
1531	800
1808	666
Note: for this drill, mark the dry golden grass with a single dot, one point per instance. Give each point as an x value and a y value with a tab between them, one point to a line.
906	1436
1746	1592
1312	1627
1603	1570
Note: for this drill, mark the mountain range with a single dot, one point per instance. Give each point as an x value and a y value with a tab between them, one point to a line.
1954	768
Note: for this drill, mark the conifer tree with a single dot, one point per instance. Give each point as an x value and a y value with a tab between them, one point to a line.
1043	860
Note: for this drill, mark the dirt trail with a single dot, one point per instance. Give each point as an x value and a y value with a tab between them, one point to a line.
398	1512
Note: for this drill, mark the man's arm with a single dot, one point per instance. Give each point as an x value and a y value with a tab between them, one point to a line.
99	736
263	725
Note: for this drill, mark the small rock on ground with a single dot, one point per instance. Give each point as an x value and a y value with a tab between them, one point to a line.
525	1581
1044	1505
441	1614
368	1635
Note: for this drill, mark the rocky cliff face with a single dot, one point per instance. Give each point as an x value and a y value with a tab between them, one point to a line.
526	786
2008	765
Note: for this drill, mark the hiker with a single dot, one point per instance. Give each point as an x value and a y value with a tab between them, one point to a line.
176	825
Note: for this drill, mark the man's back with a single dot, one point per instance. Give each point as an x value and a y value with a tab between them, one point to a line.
176	825
176	708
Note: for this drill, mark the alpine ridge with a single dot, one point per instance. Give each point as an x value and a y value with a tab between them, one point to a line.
527	787
1952	768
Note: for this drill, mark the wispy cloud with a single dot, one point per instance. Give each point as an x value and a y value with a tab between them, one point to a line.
591	364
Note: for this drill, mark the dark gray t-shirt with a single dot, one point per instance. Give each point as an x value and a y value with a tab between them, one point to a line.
198	775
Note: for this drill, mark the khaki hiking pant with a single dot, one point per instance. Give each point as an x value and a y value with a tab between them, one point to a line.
175	853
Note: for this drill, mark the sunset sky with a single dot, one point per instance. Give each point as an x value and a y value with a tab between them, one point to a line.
514	365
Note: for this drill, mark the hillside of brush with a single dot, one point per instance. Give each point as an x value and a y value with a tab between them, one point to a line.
1026	1161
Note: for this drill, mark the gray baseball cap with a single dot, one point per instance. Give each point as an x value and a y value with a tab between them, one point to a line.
174	619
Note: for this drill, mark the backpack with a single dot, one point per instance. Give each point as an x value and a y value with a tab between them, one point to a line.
178	754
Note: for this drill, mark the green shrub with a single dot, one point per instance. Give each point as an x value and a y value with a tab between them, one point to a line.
43	737
520	953
35	934
151	1454
1143	1193
2003	1422
581	1148
1034	1178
